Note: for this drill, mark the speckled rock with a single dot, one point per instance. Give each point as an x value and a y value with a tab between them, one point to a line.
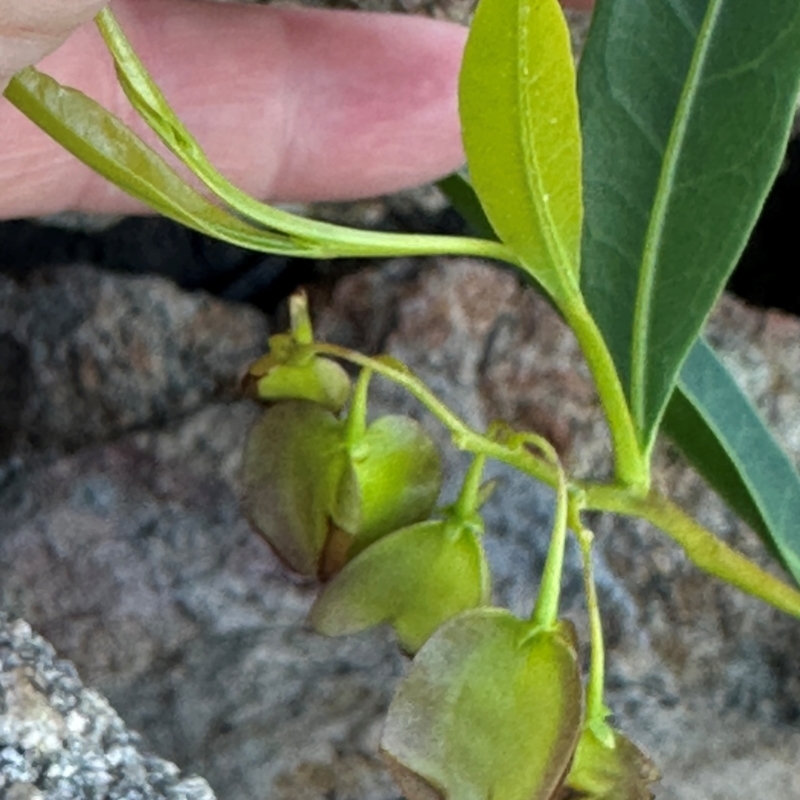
61	741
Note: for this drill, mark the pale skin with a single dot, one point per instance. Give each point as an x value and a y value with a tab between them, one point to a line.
290	104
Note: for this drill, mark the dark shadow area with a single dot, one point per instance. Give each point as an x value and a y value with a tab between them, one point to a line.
155	245
764	274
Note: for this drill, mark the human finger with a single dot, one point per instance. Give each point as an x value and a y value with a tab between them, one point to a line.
291	104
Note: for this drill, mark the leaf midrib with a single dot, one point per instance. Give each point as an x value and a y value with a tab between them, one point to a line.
555	247
655	230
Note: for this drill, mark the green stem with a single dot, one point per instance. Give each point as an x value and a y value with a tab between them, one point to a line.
595	689
302	330
468	500
464	437
545	612
630	463
356	424
702	547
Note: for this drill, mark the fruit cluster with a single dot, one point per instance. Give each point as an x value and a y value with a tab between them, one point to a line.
354	504
493	705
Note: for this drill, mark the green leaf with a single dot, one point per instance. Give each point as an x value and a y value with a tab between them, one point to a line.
461	194
293	463
104	143
519	122
686	107
491	710
459	191
711	420
325	240
415	578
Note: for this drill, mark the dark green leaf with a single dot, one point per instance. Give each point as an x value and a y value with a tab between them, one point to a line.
719	431
686	107
519	121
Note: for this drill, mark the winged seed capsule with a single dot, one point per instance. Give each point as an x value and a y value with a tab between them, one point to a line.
490	710
292	371
415	579
613	770
318	497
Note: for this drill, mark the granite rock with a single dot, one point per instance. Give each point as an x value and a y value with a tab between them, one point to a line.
86	359
62	741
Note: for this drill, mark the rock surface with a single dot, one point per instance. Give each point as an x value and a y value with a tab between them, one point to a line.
122	542
61	741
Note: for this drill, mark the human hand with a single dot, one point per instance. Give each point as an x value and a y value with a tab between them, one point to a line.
290	104
30	30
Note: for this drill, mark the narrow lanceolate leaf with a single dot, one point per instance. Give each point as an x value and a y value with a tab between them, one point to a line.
686	108
322	239
105	144
520	128
721	434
